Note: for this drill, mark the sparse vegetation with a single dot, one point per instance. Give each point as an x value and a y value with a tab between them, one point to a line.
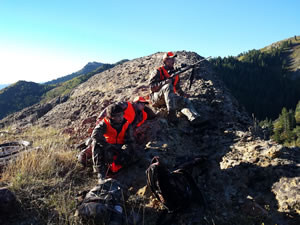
67	86
47	180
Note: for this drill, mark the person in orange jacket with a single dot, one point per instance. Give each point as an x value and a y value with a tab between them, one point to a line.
136	113
166	91
113	143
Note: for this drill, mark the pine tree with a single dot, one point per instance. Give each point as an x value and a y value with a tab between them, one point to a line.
284	126
297	113
284	118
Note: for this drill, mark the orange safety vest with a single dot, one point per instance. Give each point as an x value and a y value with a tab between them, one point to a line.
164	75
112	136
114	167
129	113
144	119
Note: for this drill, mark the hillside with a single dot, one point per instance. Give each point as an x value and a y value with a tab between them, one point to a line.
292	53
86	69
264	80
3	86
64	88
244	178
23	94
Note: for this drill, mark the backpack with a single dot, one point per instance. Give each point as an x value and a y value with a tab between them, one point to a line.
175	190
102	202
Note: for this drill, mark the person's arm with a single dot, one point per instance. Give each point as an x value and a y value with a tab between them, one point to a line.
130	141
129	137
98	134
155	83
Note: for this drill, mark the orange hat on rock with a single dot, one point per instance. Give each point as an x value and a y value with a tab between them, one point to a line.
140	99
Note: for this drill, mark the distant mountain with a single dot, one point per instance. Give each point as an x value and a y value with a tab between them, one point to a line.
23	94
67	86
86	69
3	86
291	53
20	95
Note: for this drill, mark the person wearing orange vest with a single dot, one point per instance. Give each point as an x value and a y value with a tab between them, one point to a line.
136	113
166	91
112	143
142	112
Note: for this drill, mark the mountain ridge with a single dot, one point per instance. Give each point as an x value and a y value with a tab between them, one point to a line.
292	59
244	178
90	66
2	86
49	90
292	46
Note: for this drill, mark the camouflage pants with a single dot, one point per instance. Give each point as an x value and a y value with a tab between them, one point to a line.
166	97
103	156
93	155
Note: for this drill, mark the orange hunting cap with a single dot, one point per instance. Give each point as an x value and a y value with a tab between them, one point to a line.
169	55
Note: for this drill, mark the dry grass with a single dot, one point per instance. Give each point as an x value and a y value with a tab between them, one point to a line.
46	180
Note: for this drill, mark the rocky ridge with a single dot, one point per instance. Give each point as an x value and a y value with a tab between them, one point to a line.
246	180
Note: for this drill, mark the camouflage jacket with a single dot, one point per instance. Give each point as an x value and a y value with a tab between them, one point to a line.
100	130
156	84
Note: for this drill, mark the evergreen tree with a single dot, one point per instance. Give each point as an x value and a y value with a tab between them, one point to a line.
297	113
284	126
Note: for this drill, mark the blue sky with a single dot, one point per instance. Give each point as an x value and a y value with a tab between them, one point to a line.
43	40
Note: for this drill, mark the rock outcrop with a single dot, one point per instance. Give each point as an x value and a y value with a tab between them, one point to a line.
246	180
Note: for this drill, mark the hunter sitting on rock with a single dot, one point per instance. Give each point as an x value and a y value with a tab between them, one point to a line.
166	91
136	113
113	145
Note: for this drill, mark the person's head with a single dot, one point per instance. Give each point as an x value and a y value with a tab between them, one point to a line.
140	102
115	113
169	59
